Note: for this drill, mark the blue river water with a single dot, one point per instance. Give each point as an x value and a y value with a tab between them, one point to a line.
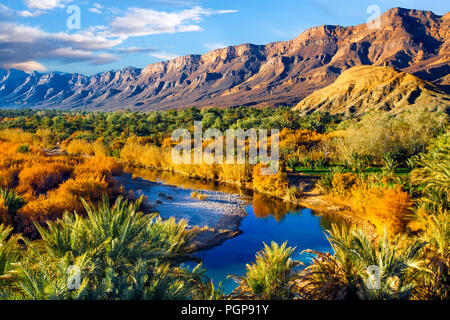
267	220
300	228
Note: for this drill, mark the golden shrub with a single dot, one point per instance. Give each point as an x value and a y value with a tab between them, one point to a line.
274	185
67	196
104	166
236	173
88	186
44	137
391	210
5	218
16	136
99	148
50	206
8	177
343	182
384	206
41	177
79	147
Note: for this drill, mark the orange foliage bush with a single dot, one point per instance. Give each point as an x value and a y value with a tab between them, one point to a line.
51	184
90	179
343	182
101	165
145	155
67	196
289	137
275	185
88	186
16	136
5	218
42	176
8	177
384	206
236	173
83	147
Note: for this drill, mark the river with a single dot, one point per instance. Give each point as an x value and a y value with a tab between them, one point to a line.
256	219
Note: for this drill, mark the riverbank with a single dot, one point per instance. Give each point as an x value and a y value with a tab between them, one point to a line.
238	176
218	215
220	202
323	204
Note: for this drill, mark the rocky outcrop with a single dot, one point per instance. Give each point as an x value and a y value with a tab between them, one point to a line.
365	88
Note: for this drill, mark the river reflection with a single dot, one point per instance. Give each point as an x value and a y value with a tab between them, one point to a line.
182	181
263	206
268	220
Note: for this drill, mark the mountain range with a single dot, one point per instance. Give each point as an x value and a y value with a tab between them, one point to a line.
280	73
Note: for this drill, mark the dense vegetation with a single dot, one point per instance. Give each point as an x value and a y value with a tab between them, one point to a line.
60	205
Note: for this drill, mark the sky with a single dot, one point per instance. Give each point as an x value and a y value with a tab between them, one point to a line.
93	36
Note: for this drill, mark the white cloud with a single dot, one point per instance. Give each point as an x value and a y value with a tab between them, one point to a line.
24	44
143	22
29	14
5	12
175	2
215	45
26	47
164	55
95	10
46	4
27	66
134	50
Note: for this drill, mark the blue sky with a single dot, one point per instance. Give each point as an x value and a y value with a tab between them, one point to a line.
35	34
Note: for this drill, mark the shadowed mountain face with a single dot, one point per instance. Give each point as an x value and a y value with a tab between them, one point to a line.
417	42
364	88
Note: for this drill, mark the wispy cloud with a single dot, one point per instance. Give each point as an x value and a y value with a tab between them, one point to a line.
215	45
164	55
30	14
28	47
27	66
25	45
135	50
46	4
95	10
5	12
143	22
177	2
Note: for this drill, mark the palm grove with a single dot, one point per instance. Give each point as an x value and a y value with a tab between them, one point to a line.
59	207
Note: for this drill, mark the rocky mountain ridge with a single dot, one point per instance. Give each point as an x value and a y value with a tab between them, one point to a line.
280	73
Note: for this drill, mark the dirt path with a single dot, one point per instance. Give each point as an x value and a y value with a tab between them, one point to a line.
322	204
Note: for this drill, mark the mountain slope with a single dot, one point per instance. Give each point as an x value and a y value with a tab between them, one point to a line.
365	88
277	73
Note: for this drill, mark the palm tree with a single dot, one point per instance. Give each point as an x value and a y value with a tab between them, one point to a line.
270	277
347	273
397	267
434	173
120	253
435	230
12	201
10	252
